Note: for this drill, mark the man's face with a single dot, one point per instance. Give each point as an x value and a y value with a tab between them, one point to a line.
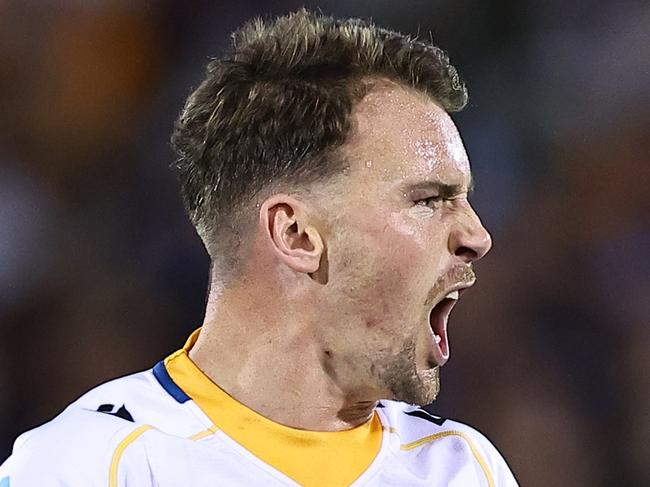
398	247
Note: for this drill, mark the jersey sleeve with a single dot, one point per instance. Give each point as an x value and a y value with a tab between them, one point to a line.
34	466
76	449
503	476
38	459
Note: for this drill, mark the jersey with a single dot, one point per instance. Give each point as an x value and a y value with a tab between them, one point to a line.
171	426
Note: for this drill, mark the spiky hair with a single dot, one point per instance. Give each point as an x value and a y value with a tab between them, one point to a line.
274	109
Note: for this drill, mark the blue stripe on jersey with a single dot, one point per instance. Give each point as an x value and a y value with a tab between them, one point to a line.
4	482
161	374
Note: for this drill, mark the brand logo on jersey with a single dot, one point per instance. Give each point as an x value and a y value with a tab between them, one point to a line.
122	412
421	413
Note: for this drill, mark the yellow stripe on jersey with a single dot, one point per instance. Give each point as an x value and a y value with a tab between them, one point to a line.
202	434
472	447
117	454
311	458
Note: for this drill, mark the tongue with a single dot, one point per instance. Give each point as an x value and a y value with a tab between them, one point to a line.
438	321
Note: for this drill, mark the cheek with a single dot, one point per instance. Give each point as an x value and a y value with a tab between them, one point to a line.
397	243
416	242
395	268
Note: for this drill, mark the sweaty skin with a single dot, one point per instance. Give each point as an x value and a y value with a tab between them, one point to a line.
332	311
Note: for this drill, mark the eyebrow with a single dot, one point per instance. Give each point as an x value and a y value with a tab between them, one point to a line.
445	190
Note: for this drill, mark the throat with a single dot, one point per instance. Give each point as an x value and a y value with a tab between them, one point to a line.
282	387
358	413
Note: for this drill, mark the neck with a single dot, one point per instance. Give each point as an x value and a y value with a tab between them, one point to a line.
273	365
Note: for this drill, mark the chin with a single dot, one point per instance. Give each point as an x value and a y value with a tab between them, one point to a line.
430	385
421	388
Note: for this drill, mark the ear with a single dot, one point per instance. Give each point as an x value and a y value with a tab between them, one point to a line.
294	240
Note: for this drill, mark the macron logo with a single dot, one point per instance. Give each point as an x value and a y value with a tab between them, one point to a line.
121	412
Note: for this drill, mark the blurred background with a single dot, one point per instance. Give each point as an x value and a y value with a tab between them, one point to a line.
102	275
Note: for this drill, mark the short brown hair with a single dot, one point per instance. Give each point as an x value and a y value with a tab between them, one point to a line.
272	111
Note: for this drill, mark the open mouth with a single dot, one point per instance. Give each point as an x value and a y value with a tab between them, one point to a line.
438	318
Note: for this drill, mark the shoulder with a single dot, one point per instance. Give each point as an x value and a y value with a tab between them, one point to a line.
420	430
84	443
75	448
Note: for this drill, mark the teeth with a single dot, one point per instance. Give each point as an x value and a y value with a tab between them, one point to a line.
453	295
437	338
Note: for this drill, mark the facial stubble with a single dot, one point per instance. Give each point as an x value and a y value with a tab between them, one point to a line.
399	375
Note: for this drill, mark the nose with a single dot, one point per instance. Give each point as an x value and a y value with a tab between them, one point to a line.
469	239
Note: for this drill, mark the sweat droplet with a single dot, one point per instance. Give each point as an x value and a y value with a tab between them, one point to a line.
368	163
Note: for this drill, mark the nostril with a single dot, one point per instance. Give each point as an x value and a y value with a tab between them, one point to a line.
466	254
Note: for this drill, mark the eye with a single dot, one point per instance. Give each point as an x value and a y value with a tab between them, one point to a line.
431	202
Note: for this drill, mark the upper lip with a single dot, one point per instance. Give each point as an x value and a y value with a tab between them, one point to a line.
461	287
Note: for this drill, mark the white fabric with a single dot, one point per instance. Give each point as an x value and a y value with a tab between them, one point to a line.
78	447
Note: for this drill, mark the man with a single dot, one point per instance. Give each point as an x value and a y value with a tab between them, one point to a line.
329	184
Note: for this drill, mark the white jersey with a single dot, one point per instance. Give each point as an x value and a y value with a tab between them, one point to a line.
171	426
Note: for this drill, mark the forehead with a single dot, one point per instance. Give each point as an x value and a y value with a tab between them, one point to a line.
401	135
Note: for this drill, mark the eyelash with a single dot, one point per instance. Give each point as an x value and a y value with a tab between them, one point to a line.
436	199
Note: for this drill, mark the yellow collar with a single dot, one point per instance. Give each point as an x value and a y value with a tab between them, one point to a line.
311	458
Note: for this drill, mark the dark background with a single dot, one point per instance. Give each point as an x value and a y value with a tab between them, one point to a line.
101	274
